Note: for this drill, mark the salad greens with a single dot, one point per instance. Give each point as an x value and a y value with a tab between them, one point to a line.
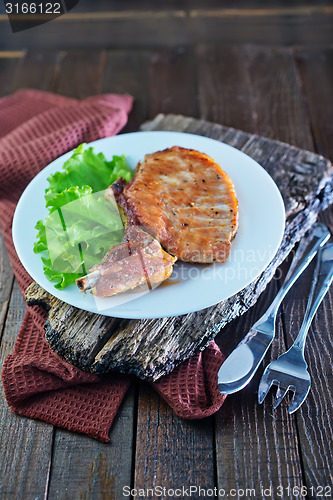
82	225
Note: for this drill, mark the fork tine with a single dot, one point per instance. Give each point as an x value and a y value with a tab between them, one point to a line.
280	394
298	399
264	387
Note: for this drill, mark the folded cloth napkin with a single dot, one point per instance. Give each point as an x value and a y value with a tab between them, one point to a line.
35	128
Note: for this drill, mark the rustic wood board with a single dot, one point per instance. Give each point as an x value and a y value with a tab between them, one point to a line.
152	348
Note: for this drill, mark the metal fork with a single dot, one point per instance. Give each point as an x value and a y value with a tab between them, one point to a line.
289	371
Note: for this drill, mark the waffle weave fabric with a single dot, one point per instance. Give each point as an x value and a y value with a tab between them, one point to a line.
35	128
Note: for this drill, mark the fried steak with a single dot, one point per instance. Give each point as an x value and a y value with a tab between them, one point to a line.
184	199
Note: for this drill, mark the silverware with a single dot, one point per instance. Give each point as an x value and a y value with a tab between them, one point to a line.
240	366
289	371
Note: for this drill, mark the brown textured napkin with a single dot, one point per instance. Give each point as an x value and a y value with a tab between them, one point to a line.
35	128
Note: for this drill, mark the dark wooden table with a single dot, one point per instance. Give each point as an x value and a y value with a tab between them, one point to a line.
245	450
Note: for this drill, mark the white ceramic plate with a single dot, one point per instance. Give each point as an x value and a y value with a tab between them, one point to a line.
194	287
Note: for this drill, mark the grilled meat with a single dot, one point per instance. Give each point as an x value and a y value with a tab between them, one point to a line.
184	199
138	260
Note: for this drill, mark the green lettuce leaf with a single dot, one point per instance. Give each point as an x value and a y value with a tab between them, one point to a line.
57	200
85	168
82	225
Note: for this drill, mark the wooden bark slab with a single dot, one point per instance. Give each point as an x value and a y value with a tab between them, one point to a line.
152	348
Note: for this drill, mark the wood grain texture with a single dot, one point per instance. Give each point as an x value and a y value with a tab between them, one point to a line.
305	181
250	5
289	166
8	70
164	441
263	443
163	27
314	418
172	82
223	79
6	283
316	70
79	73
64	73
84	468
276	94
307	429
259	80
25	444
126	72
38	69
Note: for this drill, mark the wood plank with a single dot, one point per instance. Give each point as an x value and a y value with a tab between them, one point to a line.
85	468
314	418
172	86
229	434
6	283
316	412
152	27
115	6
25	444
102	5
126	72
293	110
102	362
265	105
38	69
256	447
80	73
8	69
243	75
316	70
222	79
171	451
280	109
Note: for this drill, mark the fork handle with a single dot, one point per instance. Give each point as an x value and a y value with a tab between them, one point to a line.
322	279
320	236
